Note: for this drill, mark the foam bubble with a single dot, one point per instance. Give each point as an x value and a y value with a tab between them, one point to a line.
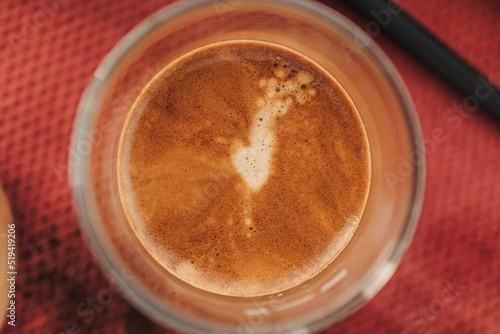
248	221
304	78
279	73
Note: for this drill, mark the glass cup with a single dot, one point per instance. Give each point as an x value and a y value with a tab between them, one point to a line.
397	181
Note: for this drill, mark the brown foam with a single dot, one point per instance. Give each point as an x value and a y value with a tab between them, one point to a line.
194	209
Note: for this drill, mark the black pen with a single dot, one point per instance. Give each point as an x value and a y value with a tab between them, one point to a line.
390	17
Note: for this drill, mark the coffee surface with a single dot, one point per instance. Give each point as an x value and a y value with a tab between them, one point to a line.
243	168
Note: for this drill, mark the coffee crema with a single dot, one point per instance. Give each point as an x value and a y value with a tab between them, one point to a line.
243	168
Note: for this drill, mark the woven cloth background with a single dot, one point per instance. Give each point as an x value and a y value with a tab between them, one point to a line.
45	63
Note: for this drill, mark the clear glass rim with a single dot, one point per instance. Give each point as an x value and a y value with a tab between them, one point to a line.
85	204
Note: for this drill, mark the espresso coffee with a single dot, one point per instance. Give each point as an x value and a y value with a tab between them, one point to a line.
243	168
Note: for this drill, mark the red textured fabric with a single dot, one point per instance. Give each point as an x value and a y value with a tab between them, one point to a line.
43	71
